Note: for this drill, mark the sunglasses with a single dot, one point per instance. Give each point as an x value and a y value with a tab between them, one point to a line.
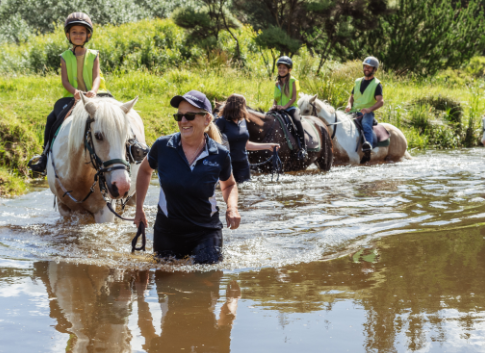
188	116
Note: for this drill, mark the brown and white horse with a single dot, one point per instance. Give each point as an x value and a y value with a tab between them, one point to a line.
70	172
346	137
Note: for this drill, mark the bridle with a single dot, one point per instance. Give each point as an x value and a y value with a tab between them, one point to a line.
314	113
101	168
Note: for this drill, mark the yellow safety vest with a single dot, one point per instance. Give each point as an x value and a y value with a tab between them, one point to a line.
71	66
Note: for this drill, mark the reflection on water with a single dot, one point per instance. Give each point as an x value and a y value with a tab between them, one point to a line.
413	292
407	270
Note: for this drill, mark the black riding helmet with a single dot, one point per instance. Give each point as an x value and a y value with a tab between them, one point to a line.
285	60
78	19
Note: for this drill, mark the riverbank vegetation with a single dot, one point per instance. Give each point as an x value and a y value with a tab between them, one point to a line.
152	59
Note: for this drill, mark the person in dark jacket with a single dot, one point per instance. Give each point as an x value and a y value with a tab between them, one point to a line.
233	123
190	163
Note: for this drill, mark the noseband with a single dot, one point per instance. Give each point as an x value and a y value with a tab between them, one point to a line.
314	113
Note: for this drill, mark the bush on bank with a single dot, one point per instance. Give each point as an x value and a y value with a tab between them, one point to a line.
149	59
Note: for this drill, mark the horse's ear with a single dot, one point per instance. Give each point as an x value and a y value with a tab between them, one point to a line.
126	107
314	98
89	105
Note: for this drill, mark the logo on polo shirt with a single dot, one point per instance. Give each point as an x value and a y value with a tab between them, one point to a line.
211	164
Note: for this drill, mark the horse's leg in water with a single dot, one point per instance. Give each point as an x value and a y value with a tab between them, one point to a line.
325	159
398	145
63	209
104	215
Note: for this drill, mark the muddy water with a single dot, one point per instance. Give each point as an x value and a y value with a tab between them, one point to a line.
387	258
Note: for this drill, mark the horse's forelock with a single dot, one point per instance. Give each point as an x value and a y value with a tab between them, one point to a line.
109	120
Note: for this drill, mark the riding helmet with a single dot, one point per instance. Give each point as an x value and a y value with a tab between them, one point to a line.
371	61
78	19
286	61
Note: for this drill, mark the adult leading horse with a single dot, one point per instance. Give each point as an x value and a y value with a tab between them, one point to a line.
91	148
346	136
266	127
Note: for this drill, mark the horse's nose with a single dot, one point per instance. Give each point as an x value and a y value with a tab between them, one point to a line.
119	188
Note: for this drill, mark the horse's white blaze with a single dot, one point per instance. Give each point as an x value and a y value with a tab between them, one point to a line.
73	163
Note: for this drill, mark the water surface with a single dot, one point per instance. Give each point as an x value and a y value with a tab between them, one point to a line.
387	258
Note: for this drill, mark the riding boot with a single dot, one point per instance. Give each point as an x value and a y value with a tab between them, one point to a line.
38	163
302	153
367	149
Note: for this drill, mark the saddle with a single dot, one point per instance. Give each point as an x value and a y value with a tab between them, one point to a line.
382	137
312	138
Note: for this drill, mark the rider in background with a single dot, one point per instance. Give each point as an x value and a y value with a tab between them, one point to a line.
366	97
79	73
285	93
233	123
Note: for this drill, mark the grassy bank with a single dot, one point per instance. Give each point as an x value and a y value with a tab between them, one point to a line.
438	112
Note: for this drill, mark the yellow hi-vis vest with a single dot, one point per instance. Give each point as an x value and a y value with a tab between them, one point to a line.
366	99
281	98
71	66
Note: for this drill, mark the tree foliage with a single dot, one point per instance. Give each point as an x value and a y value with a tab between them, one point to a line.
425	36
206	21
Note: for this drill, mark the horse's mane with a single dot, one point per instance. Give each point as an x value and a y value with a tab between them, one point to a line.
260	113
109	120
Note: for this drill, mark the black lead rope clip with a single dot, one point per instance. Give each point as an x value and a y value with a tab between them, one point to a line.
141	231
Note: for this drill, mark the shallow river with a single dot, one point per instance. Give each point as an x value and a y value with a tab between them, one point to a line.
387	258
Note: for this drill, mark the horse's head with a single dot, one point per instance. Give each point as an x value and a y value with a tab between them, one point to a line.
109	126
483	127
311	105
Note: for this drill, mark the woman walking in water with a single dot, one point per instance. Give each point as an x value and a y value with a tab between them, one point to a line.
190	163
233	123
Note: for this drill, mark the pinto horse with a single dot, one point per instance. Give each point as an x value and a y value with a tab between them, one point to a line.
265	128
91	148
346	136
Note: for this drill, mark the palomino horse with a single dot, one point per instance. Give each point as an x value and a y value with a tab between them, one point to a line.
91	147
346	135
264	127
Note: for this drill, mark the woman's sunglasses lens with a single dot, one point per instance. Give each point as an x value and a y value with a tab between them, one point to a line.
188	116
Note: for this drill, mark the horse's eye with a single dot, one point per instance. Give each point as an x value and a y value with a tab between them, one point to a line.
98	136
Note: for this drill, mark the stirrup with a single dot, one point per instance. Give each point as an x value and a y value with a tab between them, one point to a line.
302	154
38	164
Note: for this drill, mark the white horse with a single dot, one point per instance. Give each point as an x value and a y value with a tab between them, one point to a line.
346	136
109	124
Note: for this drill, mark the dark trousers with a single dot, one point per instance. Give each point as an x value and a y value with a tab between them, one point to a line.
204	245
295	114
61	105
240	170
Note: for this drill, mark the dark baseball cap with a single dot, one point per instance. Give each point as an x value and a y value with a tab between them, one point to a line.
196	98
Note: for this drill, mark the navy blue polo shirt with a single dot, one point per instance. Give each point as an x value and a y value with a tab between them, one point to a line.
187	193
237	135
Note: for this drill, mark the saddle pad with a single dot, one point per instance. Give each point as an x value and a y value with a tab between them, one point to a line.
383	136
312	138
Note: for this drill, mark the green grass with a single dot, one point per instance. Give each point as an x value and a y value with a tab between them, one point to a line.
27	93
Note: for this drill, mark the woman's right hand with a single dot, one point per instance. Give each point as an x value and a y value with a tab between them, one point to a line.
273	145
77	95
140	217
